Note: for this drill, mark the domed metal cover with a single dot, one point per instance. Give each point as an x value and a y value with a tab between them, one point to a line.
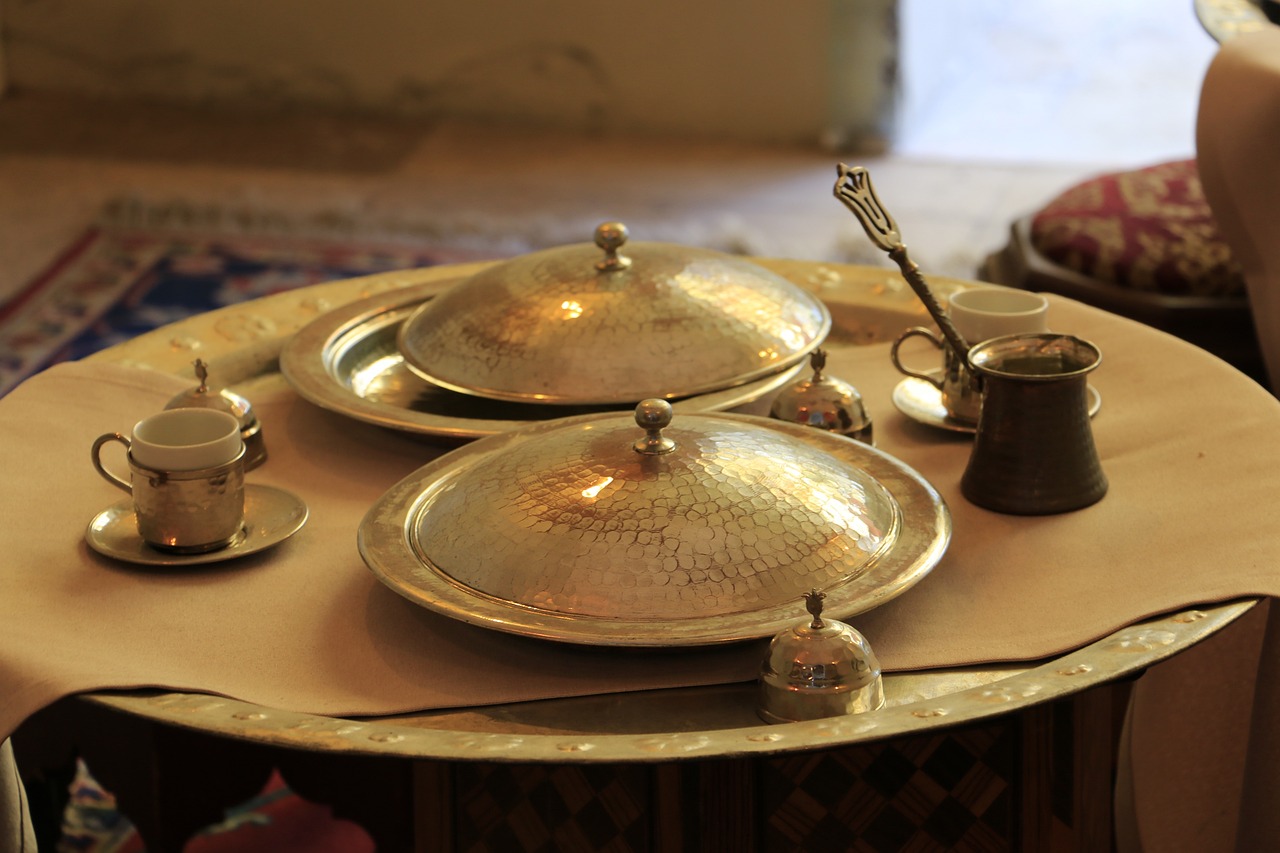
819	668
588	530
824	402
582	325
203	396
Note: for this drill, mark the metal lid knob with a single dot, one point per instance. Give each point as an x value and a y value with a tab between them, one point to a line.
820	668
654	416
611	236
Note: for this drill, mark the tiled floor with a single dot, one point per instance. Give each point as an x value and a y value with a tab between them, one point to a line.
1031	97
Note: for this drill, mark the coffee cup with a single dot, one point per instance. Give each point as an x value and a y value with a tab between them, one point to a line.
979	314
186	475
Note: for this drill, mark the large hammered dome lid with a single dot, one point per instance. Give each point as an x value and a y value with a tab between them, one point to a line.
608	324
709	529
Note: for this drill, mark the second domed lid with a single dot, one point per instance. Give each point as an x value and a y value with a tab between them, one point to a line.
646	531
612	323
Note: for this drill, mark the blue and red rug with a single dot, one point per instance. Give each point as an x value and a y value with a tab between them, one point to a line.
114	283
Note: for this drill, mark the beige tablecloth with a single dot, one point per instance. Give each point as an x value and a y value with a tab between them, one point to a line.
1188	444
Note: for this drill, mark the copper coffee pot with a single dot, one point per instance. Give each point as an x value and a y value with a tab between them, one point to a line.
1033	451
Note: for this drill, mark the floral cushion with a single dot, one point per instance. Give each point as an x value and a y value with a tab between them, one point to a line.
1147	229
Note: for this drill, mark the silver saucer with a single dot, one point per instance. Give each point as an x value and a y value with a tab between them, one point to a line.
271	516
922	402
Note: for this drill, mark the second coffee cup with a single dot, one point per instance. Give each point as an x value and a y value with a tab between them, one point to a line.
186	475
979	314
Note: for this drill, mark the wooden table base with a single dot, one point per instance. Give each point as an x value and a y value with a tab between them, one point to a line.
1040	779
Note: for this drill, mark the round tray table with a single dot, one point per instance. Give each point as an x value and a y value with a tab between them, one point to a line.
242	343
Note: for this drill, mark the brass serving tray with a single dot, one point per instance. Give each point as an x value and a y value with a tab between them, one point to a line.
391	540
347	361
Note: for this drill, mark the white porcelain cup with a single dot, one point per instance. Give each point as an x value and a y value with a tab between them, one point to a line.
185	440
979	315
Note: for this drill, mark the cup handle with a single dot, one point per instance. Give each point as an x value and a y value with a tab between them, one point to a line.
97	459
920	331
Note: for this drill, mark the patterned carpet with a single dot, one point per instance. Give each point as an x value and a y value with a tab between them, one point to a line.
115	283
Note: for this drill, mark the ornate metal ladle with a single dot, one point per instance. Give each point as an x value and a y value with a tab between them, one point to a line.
854	189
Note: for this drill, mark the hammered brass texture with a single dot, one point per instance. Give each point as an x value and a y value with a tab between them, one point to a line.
346	361
551	327
1034	452
562	531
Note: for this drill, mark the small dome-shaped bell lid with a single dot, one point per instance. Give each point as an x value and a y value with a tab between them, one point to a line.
819	668
824	402
203	396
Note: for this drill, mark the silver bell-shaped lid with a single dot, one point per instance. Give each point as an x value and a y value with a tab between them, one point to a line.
819	668
223	399
824	402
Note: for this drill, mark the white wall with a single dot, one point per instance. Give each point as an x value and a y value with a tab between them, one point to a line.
757	69
1062	81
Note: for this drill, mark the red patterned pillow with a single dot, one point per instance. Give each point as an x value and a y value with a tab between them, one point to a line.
1147	229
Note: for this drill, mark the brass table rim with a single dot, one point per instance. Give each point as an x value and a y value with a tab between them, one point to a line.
1111	658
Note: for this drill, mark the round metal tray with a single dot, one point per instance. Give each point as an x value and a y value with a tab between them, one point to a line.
392	533
347	361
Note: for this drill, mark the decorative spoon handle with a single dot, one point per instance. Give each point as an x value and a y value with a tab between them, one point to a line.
853	187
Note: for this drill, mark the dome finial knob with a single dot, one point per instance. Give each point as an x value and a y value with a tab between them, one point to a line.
611	236
818	361
654	416
813	603
202	373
